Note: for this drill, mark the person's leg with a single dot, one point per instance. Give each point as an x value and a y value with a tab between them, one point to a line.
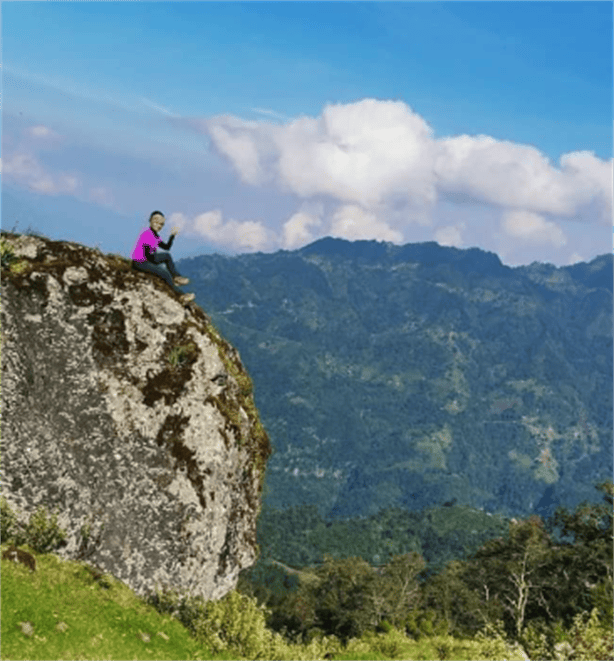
160	271
164	257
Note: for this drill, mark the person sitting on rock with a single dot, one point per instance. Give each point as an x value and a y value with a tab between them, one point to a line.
146	258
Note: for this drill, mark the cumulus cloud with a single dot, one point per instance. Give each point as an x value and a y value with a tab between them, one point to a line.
358	153
380	169
245	144
519	176
296	231
592	179
355	223
246	235
450	235
376	156
532	228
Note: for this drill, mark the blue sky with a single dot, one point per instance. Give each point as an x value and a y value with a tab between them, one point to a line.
260	126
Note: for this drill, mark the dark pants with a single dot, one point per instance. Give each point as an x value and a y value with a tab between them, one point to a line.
161	259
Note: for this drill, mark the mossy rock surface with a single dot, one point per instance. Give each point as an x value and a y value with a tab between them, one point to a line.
132	415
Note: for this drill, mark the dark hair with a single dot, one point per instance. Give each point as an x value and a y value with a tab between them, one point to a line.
155	213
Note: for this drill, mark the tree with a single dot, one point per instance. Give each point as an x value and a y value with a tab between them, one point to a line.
399	590
513	569
465	605
589	523
583	566
346	597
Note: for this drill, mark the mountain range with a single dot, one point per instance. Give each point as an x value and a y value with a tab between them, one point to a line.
412	376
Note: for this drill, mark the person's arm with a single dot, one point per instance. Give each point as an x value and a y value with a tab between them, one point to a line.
167	246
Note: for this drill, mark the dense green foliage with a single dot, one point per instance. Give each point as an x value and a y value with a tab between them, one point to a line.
545	588
298	536
547	585
407	376
103	619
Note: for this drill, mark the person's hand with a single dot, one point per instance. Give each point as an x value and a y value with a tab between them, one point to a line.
175	230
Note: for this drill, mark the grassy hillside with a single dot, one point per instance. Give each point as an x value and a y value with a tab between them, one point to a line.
67	610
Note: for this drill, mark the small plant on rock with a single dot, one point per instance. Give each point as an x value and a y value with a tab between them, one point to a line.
41	533
8	256
8	521
178	355
89	541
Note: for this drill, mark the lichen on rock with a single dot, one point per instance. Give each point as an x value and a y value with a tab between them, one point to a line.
128	413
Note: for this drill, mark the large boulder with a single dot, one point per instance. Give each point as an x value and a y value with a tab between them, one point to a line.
128	414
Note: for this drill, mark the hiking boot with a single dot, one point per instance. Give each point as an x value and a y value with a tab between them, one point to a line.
180	280
186	298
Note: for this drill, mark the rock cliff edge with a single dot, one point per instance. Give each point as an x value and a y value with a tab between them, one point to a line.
128	414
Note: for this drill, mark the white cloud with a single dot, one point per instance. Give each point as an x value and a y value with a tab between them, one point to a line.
159	108
380	167
101	195
41	132
575	258
245	144
356	153
246	235
532	228
63	183
354	223
379	156
207	223
25	169
270	113
450	235
296	230
519	176
592	179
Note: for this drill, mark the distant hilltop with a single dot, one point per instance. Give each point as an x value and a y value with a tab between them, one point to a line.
427	253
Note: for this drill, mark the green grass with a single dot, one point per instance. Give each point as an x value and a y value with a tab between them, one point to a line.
102	622
68	610
74	613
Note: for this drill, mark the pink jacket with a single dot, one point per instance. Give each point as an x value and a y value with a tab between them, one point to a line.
146	238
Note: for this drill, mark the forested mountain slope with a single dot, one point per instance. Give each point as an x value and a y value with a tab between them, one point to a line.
407	376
